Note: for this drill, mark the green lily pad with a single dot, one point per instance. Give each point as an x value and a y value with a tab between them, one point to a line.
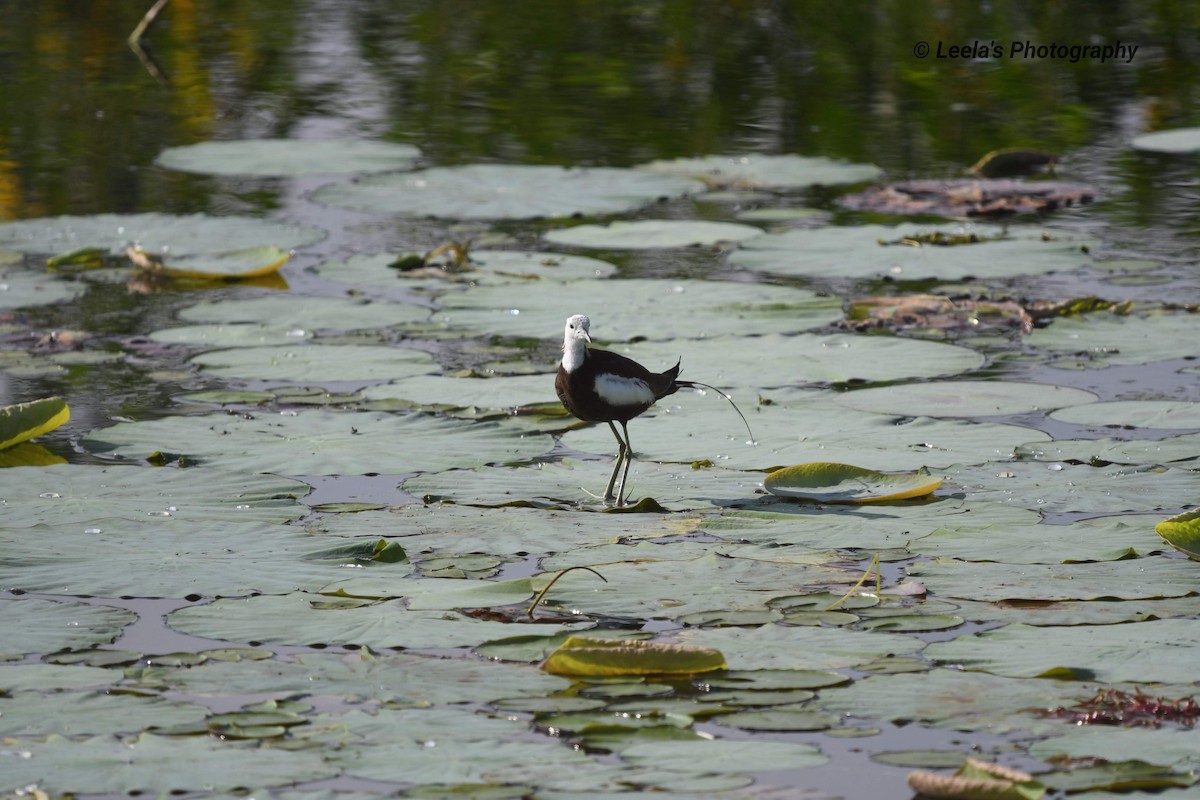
1117	776
397	679
1099	539
947	698
317	442
19	289
845	483
724	755
1115	451
24	421
649	234
760	171
148	522
864	251
729	360
1149	652
445	391
35	626
656	309
965	398
253	262
1129	579
109	765
673	588
33	714
780	719
307	619
504	191
1057	488
574	483
435	530
487	267
803	647
867	527
1174	142
1182	532
197	234
1165	414
1162	746
808	427
288	157
587	656
314	363
1100	340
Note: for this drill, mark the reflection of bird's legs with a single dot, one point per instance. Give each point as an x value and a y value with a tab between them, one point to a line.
622	455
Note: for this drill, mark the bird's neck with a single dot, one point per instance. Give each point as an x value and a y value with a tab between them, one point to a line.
574	354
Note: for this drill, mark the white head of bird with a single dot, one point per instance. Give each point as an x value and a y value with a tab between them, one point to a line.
575	341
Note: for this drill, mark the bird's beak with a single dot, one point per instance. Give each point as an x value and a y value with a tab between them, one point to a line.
585	336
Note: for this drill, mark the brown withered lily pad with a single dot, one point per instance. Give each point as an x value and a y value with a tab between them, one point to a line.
936	312
971	197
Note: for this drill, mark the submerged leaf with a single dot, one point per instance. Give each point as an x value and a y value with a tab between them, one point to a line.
586	656
24	421
845	483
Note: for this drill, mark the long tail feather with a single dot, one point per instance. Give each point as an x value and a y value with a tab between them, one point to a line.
699	385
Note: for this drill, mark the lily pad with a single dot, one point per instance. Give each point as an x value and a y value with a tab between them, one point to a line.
24	421
288	157
947	698
1141	578
1115	451
30	714
1057	488
285	310
803	647
1162	746
1099	539
35	626
775	360
1164	414
397	679
809	428
1175	142
19	289
316	442
625	309
500	392
488	267
965	398
197	234
109	765
725	755
569	484
587	656
54	531
845	483
759	171
1182	532
1100	340
254	262
649	234
307	619
315	363
504	191
864	252
1149	652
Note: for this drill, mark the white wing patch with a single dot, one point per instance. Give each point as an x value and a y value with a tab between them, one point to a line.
618	391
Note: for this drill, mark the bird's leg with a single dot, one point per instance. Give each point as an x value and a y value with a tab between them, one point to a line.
612	479
628	461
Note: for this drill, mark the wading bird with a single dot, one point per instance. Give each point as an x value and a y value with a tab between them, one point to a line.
601	386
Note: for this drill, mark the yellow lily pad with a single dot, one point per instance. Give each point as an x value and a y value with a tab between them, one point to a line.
237	265
828	482
580	655
1182	532
26	420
